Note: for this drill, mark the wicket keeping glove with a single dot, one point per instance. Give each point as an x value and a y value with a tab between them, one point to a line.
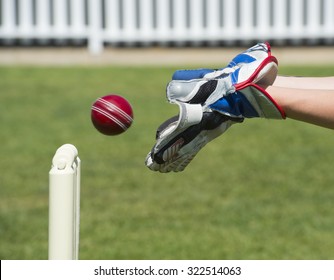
209	106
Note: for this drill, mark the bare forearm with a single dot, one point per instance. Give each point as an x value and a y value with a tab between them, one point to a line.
307	105
305	82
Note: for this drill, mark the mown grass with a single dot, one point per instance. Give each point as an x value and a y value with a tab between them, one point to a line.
262	191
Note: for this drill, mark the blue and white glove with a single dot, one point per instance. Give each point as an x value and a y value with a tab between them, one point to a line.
210	102
247	63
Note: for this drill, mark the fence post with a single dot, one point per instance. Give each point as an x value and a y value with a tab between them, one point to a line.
95	40
8	27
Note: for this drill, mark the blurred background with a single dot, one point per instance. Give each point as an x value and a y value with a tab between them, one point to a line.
97	23
262	191
99	26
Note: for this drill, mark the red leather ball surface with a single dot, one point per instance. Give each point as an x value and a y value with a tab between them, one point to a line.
111	114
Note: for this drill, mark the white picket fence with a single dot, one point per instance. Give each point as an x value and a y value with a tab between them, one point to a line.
161	22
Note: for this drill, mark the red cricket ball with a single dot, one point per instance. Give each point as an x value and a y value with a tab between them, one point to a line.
111	114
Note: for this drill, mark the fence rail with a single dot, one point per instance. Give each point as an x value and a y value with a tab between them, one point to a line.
146	22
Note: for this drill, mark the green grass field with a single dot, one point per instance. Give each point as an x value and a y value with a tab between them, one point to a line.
262	191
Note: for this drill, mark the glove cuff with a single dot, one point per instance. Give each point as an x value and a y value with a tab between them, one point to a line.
261	100
249	101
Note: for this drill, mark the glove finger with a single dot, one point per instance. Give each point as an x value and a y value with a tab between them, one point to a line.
151	164
185	74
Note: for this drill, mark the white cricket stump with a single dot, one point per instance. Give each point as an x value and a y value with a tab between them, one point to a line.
64	204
